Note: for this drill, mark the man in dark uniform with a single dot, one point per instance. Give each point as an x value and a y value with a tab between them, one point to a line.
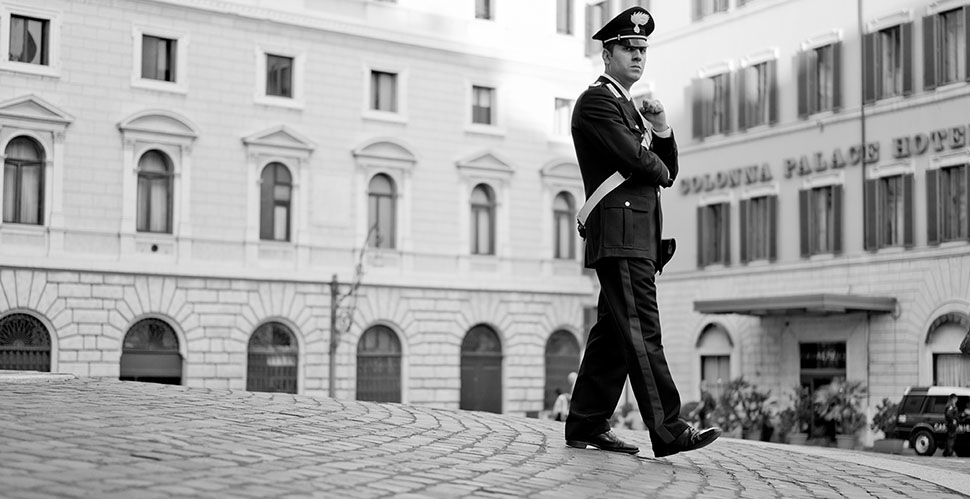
623	244
951	416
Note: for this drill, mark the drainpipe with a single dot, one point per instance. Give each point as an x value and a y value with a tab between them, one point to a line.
862	170
334	338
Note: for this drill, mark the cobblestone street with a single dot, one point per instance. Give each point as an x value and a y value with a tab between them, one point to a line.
67	437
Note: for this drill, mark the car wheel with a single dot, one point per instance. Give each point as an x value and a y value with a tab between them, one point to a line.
923	443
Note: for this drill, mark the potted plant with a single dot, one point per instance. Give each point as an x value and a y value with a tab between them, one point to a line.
884	420
745	408
841	404
802	412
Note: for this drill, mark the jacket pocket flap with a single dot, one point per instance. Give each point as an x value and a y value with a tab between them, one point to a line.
635	203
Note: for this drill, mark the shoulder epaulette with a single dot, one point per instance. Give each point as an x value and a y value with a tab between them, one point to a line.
596	84
616	93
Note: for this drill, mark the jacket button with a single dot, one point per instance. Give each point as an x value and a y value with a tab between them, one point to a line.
626	203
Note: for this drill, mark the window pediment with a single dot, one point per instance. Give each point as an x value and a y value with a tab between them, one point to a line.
34	109
485	163
159	122
385	152
561	170
280	137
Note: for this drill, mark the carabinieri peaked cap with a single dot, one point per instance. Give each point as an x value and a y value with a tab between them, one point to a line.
630	27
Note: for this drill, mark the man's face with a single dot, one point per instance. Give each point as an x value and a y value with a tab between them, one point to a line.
624	63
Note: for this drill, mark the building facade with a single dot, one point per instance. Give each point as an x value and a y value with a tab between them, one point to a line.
368	199
822	207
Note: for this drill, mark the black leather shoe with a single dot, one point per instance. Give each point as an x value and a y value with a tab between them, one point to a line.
690	439
604	441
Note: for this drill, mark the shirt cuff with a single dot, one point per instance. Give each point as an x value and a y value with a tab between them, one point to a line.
664	134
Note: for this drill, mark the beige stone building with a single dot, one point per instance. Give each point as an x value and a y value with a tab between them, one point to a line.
184	179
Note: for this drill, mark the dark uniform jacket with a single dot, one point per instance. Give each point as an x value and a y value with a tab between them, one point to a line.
607	133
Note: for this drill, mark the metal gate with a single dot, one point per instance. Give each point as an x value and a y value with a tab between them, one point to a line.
150	353
25	344
379	366
481	371
273	359
562	358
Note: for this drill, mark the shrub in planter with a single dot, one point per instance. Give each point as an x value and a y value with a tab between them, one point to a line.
884	420
743	407
841	403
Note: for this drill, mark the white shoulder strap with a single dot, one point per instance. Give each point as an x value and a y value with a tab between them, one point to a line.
612	182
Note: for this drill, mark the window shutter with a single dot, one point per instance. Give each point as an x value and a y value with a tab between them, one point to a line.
727	119
722	5
695	10
801	77
742	106
811	72
700	236
743	212
929	52
772	228
697	108
932	207
837	196
726	232
803	217
836	76
966	42
906	42
869	70
908	210
871	242
772	68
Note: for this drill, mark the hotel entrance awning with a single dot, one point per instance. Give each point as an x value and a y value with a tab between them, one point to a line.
810	304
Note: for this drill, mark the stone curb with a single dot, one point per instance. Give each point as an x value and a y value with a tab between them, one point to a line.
957	482
28	377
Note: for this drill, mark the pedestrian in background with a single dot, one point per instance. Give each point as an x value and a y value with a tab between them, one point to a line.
560	408
951	417
625	158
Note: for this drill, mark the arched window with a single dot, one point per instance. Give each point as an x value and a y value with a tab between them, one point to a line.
23	182
481	370
272	360
564	226
154	193
482	220
950	367
379	365
25	344
714	347
380	212
562	358
276	188
150	353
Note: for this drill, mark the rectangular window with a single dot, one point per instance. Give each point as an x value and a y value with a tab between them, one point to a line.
713	234
279	76
562	117
29	40
758	228
720	104
952	43
383	91
757	101
597	15
889	63
889	211
703	8
715	374
951	369
483	9
483	106
821	220
819	79
564	17
711	105
948	213
158	57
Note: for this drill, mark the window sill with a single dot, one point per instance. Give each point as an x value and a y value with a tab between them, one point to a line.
153	242
385	116
268	100
159	85
25	229
31	69
491	130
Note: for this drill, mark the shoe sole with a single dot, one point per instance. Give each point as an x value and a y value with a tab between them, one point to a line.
701	444
578	444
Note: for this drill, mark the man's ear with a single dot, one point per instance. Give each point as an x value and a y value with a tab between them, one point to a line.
607	55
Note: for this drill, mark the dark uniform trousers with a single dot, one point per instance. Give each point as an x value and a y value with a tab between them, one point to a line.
625	341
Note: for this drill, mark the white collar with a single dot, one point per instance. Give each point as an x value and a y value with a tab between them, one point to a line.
621	87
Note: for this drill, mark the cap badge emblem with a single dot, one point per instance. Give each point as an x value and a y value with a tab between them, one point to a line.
638	19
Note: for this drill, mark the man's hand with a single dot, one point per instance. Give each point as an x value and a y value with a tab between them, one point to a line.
653	111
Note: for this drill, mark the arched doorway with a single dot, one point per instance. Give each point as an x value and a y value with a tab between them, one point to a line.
25	344
714	347
481	371
272	360
150	353
379	365
562	358
949	366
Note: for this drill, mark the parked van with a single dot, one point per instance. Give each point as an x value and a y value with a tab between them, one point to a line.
921	422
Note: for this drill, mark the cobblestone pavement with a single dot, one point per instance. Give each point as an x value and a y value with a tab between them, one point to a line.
110	439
